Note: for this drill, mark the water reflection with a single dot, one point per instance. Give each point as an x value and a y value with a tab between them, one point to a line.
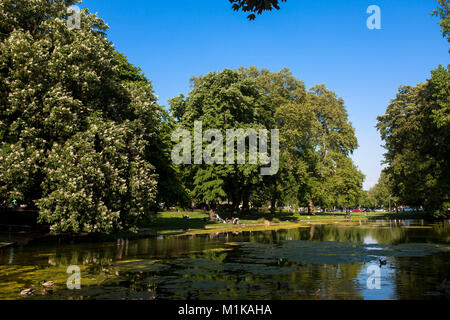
11	255
315	262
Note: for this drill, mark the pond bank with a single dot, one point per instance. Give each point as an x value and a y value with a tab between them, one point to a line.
149	233
173	224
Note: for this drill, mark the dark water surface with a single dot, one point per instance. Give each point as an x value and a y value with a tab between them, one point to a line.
315	262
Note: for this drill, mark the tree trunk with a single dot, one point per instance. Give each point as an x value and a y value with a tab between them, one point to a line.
246	201
236	200
311	232
273	204
212	211
311	210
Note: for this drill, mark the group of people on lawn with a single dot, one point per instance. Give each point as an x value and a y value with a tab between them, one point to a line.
234	220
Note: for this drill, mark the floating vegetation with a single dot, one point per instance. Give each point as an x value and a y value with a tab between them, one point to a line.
286	263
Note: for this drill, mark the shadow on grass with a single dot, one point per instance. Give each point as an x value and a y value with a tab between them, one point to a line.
179	223
401	216
260	215
200	220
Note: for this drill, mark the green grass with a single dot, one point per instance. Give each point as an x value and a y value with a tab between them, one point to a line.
173	222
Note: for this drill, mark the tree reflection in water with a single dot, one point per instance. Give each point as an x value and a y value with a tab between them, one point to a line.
316	262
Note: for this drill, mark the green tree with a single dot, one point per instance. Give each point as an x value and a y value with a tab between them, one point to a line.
382	194
317	138
223	100
342	186
443	13
366	200
169	191
281	88
416	132
98	180
315	143
65	105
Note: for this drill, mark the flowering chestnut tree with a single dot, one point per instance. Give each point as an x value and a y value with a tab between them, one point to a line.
98	180
74	136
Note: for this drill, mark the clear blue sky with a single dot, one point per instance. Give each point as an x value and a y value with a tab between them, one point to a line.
321	41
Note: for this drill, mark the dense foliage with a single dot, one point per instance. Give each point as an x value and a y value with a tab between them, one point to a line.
443	13
83	139
416	131
76	122
381	195
315	143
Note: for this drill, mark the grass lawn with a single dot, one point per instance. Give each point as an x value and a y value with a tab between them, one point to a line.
198	222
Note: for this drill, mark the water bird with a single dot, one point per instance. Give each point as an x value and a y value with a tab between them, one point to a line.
382	262
282	285
251	287
46	292
446	285
192	296
26	292
47	284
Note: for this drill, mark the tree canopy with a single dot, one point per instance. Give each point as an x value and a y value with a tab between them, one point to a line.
77	121
83	139
223	100
443	13
315	143
416	131
318	139
382	195
255	6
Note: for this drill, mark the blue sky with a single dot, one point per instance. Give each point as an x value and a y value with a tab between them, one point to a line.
321	41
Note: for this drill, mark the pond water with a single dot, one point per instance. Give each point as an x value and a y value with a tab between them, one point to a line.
338	261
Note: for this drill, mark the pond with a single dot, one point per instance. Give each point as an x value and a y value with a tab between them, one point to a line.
336	261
